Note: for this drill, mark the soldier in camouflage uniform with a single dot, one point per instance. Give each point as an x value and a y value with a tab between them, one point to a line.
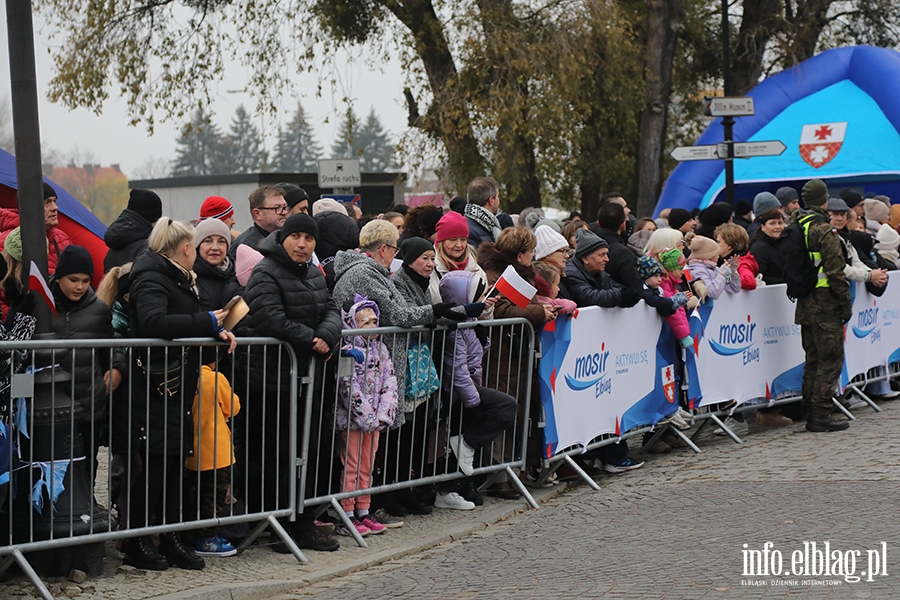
822	314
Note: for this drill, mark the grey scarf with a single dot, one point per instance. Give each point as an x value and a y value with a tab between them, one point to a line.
485	218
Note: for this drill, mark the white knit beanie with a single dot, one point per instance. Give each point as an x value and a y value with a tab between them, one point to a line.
328	205
208	227
548	241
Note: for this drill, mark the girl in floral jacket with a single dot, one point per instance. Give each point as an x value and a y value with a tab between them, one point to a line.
367	403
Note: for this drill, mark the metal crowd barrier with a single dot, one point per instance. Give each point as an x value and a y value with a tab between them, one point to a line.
84	465
415	453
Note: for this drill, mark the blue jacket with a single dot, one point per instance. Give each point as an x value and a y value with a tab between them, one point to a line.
477	233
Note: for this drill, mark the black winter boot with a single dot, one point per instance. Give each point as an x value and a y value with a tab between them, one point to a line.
829	423
172	548
140	553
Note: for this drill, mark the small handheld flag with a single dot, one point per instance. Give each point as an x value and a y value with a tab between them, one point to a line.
36	283
516	289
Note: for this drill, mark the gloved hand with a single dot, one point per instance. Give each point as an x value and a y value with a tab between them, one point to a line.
692	303
355	353
760	282
679	300
474	309
686	342
726	273
445	310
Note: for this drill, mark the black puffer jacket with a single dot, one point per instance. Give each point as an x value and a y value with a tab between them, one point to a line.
765	250
163	303
89	318
216	286
126	238
336	232
622	267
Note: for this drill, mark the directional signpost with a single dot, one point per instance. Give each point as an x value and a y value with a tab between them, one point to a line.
728	108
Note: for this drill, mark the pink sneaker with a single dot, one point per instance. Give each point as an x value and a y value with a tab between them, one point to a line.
362	529
373	525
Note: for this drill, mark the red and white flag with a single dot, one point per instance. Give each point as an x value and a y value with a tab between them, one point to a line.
36	283
511	285
821	142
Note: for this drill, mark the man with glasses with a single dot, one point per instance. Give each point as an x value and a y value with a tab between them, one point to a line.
269	209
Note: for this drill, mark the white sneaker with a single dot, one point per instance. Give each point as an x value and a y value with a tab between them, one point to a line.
465	454
738	427
452	500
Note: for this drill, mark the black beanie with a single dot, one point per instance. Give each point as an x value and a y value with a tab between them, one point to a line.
742	207
74	259
678	217
414	247
716	214
299	223
851	197
293	195
48	191
428	221
458	204
145	203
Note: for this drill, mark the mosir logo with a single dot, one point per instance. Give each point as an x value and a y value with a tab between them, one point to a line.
736	338
590	371
867	324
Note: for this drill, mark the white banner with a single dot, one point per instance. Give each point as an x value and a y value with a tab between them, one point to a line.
748	347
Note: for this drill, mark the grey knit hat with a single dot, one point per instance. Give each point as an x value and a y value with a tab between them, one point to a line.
587	242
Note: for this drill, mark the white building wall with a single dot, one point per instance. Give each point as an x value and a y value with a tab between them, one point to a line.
183	203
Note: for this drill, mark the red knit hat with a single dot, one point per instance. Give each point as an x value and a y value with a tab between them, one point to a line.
216	207
452	225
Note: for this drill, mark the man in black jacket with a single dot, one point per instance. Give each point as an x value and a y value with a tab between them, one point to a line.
288	300
269	209
622	265
126	237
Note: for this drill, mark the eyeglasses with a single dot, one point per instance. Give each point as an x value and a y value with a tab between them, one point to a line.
394	248
279	210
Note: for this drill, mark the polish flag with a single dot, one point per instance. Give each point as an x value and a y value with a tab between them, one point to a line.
511	285
36	283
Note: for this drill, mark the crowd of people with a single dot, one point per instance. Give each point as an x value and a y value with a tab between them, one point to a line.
309	272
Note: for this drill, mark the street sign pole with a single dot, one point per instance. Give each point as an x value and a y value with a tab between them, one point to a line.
727	125
27	134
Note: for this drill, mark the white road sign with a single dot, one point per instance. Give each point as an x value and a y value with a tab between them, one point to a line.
683	153
729	107
339	173
748	149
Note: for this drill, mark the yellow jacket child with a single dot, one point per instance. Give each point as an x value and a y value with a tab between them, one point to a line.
215	451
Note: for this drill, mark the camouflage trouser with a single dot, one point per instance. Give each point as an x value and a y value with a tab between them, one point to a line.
823	343
214	490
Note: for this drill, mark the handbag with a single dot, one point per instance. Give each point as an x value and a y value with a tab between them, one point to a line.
421	378
167	381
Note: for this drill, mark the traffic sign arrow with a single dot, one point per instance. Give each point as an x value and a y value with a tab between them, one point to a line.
683	153
750	149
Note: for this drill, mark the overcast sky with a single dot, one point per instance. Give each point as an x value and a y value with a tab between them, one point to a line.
113	140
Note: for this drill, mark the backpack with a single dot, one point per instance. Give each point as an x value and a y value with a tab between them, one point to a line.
800	273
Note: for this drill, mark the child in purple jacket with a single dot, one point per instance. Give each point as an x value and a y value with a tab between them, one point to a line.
367	403
487	412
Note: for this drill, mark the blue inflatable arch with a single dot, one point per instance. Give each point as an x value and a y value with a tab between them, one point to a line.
838	113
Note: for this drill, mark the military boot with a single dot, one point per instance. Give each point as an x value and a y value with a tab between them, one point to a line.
828	423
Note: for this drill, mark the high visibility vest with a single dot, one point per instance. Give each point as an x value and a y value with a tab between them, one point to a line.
821	279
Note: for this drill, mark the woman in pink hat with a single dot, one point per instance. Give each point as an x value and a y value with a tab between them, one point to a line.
453	253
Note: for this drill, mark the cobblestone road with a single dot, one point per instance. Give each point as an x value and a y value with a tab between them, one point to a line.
676	528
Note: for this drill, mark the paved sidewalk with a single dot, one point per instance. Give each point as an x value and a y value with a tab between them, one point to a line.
673	529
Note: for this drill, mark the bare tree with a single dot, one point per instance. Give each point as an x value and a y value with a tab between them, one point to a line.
154	167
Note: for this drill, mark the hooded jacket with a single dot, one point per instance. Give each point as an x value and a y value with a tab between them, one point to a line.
677	321
337	232
57	239
463	353
126	238
713	278
89	318
367	398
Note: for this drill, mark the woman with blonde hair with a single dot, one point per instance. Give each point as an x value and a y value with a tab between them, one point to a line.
452	252
157	424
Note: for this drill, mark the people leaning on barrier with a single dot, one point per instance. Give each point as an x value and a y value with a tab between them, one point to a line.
591	285
487	412
734	244
710	281
452	252
157	424
622	265
288	300
764	247
508	363
367	273
95	374
215	271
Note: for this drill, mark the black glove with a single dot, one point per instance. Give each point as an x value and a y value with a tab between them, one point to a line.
445	310
474	309
481	332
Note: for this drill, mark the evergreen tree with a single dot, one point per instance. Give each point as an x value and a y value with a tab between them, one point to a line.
369	143
374	148
243	146
345	146
296	150
200	147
